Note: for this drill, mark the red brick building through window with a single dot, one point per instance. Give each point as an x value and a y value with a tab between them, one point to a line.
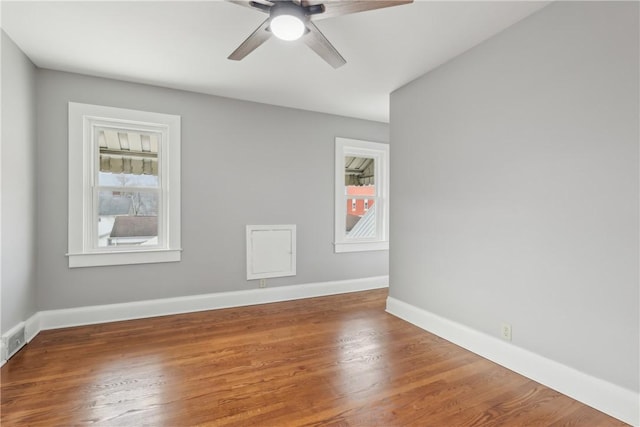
358	206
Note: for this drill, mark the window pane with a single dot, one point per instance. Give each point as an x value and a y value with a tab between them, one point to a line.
363	226
359	171
127	158
359	181
107	179
127	218
358	207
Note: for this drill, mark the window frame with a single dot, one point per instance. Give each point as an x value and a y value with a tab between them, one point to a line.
84	121
380	153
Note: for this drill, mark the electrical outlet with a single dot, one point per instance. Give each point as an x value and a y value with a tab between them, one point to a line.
506	332
263	283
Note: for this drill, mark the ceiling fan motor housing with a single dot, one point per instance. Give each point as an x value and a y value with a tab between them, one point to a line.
287	8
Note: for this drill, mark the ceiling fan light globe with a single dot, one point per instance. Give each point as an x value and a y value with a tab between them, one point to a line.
287	27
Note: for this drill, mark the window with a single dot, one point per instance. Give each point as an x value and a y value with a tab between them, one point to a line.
124	186
362	185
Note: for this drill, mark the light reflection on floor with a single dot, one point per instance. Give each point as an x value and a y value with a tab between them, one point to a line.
363	359
128	389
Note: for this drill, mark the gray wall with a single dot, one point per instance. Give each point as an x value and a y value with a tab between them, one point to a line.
242	163
515	188
18	186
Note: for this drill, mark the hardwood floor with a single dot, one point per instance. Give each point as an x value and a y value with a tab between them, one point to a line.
336	361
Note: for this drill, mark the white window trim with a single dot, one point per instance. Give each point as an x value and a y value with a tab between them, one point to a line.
380	153
82	163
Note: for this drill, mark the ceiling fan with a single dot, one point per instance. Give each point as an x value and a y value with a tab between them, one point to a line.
293	19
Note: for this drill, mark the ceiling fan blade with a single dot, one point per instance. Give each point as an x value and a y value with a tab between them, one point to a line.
320	45
345	7
259	36
247	3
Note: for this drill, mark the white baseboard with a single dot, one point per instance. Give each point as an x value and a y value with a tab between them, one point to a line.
53	319
32	327
64	318
609	398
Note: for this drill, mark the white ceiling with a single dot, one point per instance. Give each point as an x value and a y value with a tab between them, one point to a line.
185	45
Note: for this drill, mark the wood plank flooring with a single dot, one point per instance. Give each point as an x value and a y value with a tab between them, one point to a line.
330	361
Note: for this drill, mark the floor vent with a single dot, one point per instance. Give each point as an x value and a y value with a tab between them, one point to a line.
14	342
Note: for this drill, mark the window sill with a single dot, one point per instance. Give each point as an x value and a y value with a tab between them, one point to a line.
124	258
360	246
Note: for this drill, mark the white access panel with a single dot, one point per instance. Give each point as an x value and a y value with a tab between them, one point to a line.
271	251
